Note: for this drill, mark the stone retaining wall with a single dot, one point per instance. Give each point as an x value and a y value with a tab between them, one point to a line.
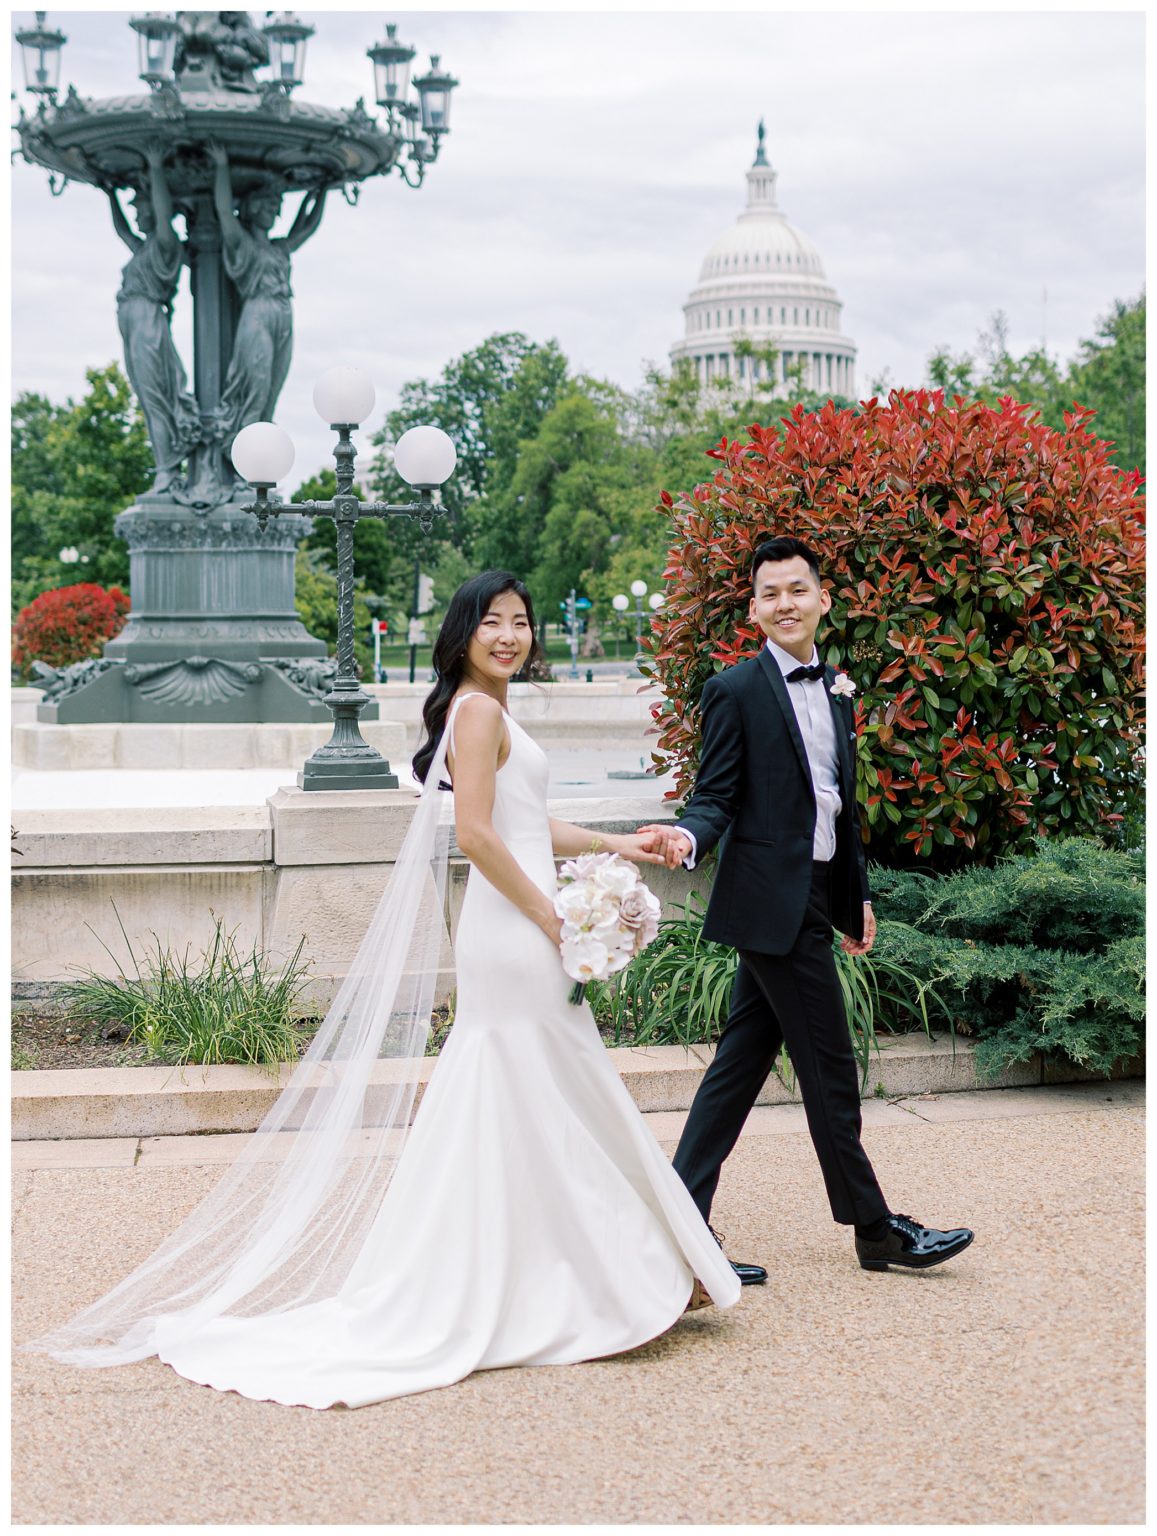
304	864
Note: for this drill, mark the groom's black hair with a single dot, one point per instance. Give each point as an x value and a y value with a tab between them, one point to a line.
784	547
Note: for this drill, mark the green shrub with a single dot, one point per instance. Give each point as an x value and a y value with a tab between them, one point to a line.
1041	952
229	1008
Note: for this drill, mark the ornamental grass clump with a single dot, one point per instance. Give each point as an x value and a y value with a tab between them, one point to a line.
227	1007
987	587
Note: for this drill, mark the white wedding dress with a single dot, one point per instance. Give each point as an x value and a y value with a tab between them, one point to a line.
532	1218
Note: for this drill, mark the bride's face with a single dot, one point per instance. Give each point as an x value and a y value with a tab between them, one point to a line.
502	641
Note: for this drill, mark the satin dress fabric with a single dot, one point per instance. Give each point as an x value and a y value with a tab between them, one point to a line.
532	1219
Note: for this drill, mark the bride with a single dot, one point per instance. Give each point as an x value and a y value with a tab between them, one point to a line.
529	1217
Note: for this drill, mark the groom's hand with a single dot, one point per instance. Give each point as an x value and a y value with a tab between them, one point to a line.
862	946
673	845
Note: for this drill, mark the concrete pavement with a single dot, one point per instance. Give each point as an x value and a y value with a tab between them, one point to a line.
1006	1387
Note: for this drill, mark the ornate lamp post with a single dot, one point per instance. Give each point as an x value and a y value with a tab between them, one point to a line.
214	634
425	458
40	49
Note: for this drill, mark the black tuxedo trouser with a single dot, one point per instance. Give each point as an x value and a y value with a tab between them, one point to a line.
793	1000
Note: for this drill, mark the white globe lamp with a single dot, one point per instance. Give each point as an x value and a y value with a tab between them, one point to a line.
620	602
344	396
639	588
656	600
262	453
424	457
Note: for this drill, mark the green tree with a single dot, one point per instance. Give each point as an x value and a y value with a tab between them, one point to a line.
554	518
488	400
1108	374
75	467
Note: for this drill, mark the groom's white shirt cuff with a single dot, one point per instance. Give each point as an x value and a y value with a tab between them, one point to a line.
689	861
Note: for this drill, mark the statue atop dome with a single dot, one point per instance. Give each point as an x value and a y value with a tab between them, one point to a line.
761	152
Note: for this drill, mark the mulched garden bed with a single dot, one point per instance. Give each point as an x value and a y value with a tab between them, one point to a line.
56	1042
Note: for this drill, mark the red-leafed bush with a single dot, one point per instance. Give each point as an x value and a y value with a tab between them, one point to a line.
67	624
987	588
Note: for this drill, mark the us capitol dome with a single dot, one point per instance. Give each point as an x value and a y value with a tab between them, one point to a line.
763	282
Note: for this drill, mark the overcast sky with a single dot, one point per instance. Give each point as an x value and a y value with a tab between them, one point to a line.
944	165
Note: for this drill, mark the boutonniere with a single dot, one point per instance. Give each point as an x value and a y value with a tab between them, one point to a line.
843	687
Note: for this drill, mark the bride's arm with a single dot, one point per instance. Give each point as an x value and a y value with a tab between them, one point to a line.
568	841
479	735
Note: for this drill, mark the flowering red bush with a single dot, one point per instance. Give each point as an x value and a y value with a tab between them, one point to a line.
67	624
987	588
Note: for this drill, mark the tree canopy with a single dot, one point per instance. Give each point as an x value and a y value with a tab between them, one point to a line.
75	467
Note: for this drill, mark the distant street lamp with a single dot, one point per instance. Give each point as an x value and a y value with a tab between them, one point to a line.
639	588
69	556
424	457
620	603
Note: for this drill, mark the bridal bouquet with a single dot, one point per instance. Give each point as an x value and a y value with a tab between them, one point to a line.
608	917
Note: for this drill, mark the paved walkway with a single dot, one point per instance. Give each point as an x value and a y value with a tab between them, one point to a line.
1006	1387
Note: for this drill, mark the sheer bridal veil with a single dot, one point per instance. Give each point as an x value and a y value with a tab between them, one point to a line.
286	1222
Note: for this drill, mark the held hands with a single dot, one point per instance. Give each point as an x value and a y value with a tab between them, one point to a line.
862	946
669	844
640	847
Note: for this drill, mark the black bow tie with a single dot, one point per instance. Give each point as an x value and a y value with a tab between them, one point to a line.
812	674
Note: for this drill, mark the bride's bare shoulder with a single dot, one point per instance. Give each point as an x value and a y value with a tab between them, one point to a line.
485	710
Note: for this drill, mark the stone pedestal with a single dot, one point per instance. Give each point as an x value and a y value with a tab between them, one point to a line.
212	582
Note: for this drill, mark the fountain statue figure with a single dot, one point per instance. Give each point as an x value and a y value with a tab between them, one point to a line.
144	314
220	49
258	267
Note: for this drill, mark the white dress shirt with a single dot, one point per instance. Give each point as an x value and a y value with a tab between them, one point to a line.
813	714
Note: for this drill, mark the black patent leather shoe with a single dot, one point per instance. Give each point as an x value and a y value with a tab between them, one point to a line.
911	1246
749	1274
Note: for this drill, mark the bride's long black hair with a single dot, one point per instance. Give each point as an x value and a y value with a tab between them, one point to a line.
468	607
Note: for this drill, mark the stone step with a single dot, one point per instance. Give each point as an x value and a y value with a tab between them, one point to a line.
174	1101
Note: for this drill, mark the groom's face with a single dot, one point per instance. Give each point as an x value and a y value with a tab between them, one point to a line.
787	602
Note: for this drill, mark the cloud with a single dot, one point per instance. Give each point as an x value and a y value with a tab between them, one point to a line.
945	165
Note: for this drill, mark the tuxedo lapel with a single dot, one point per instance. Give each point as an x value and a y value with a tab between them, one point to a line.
844	726
779	688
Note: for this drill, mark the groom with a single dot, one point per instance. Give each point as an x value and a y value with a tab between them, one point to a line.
776	791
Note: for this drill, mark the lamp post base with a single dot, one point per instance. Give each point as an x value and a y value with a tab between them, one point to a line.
371	771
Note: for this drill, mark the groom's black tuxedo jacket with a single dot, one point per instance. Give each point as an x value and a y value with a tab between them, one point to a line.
753	796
